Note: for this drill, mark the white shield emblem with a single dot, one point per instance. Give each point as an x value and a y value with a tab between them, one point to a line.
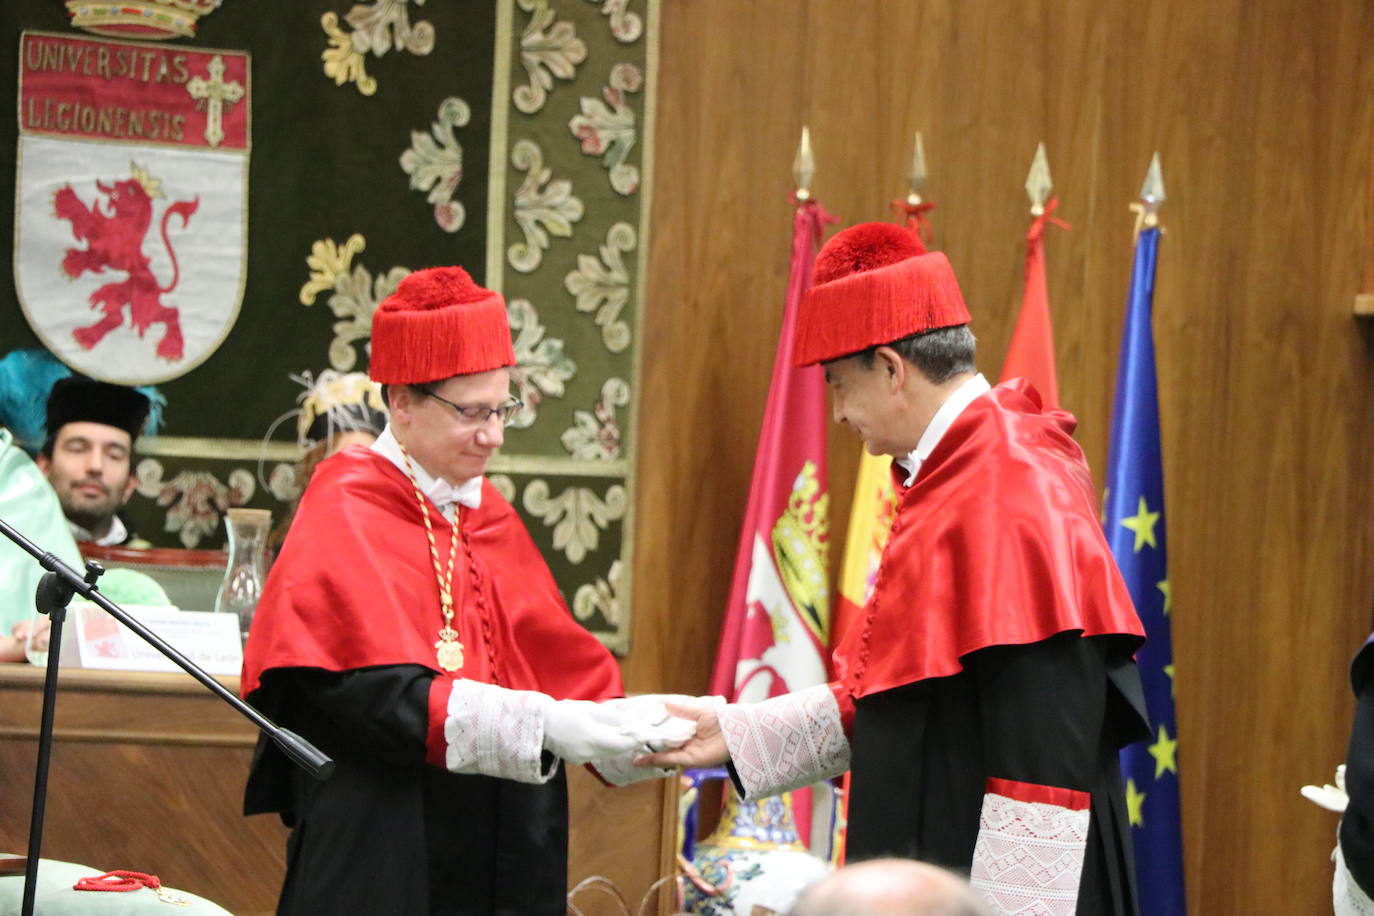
131	202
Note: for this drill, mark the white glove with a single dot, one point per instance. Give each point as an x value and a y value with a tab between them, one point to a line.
580	731
654	730
1332	798
650	723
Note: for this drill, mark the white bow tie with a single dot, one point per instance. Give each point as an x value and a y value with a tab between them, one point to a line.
444	494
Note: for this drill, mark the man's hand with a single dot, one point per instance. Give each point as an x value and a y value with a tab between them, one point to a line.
705	749
12	646
40	632
11	649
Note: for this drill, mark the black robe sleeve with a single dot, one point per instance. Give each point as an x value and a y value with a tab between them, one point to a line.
373	712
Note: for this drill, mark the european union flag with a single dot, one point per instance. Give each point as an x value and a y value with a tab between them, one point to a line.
1134	521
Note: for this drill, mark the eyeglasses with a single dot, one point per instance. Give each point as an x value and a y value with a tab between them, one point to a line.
478	416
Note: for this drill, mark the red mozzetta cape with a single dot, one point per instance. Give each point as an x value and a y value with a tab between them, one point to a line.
354	587
996	542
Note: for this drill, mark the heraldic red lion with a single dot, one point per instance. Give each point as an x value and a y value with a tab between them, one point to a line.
114	239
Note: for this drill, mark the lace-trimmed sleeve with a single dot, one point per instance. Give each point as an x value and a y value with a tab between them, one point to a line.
785	742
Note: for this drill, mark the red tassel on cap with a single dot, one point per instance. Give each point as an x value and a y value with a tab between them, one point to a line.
438	324
875	283
865	247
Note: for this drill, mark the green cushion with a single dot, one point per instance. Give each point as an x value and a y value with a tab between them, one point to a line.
57	897
129	586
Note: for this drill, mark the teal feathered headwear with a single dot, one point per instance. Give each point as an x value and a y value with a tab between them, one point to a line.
27	378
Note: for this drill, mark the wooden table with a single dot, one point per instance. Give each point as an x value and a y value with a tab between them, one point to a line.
148	770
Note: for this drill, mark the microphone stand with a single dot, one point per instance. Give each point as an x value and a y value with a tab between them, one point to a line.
55	590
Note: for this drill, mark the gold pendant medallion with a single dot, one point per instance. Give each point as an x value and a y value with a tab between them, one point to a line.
450	655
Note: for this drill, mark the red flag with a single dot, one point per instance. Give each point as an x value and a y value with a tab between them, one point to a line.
1031	354
775	636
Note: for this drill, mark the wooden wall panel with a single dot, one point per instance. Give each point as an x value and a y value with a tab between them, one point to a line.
1263	114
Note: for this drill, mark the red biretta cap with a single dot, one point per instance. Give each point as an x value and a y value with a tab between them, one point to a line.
439	324
874	283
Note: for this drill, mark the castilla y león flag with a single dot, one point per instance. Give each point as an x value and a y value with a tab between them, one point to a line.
131	202
775	634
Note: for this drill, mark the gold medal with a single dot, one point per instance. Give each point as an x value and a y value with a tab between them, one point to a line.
450	655
450	649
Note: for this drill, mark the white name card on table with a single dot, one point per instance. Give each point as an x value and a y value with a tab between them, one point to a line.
210	640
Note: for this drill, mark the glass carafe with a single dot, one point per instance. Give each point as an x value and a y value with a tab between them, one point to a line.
247	567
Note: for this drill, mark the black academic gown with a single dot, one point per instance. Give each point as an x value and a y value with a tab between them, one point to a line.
1053	713
1357	824
429	841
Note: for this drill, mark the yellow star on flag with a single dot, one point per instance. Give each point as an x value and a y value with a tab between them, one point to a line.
1163	752
1143	524
1169	670
1168	598
1134	801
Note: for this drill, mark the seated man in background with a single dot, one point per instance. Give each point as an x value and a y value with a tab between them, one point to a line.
88	456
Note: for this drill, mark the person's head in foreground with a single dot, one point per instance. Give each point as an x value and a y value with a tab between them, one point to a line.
441	345
887	321
890	887
89	451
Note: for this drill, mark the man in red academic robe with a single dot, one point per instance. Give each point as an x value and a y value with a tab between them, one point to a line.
410	629
985	689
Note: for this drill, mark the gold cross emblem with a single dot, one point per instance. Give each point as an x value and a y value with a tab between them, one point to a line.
215	93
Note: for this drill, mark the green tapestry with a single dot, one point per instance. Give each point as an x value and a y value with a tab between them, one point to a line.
214	205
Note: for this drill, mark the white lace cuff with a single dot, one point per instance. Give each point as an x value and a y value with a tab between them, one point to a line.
785	742
1029	856
495	732
1348	898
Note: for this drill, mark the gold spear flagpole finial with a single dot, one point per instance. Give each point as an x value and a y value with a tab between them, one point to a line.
804	166
916	178
1151	195
1038	181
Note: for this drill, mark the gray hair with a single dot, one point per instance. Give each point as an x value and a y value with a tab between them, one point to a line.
890	887
940	354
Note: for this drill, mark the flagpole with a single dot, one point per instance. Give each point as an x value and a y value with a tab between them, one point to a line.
1031	352
804	167
915	207
1039	184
